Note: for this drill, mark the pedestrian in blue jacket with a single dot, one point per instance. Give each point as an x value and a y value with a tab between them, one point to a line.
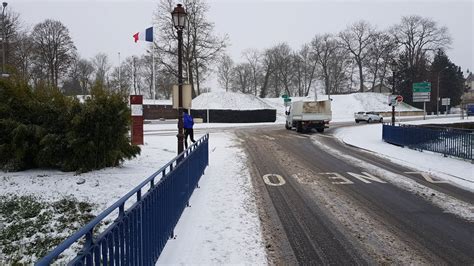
188	128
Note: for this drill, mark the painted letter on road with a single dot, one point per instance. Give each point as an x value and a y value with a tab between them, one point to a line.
335	176
366	176
279	179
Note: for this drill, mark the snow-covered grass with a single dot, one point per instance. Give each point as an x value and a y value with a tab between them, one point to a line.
222	226
369	137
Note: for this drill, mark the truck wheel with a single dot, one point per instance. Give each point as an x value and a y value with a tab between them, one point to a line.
357	121
381	120
287	126
299	127
320	129
369	120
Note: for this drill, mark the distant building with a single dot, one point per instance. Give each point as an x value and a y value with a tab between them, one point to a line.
470	82
380	88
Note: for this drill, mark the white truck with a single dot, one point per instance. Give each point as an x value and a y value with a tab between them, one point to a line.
306	115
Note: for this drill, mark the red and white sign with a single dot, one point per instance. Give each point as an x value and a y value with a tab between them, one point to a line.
399	99
136	106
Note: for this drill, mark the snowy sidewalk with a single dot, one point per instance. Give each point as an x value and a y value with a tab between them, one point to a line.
222	224
369	137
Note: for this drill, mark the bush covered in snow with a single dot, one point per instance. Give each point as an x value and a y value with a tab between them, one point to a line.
45	129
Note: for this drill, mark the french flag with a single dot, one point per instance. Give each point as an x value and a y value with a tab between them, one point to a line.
146	35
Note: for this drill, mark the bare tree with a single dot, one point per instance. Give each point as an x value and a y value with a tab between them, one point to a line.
332	59
225	71
102	67
201	48
356	39
85	70
283	57
22	56
12	29
267	64
242	78
54	49
380	53
305	65
252	56
418	36
146	73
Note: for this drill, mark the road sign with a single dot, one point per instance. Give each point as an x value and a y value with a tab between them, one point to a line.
399	99
284	96
422	87
419	97
446	101
287	100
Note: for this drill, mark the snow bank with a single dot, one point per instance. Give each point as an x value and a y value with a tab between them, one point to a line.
229	101
344	106
369	137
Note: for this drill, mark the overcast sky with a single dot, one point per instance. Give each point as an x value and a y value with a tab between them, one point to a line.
108	26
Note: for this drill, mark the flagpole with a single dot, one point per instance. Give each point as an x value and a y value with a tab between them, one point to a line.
119	80
153	71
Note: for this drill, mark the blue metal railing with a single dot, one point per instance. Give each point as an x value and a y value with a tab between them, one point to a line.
139	234
450	142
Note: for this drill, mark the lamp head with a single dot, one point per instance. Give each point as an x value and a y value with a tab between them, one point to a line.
179	17
4	4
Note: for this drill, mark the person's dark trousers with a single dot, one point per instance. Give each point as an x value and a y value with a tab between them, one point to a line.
188	132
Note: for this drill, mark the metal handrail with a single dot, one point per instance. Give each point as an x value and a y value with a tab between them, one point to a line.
89	227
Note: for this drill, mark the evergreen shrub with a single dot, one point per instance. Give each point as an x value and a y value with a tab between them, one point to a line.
42	128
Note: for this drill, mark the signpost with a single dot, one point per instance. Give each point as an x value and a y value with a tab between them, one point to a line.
136	106
422	93
286	100
446	102
394	100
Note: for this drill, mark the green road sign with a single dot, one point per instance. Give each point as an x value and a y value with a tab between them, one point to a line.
287	100
422	87
284	96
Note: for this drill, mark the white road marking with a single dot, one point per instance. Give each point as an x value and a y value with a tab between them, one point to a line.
428	178
366	176
281	181
336	176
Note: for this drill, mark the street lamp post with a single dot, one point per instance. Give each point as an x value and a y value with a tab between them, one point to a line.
394	65
179	21
4	5
437	91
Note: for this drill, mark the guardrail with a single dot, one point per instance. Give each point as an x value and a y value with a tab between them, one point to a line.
139	234
449	142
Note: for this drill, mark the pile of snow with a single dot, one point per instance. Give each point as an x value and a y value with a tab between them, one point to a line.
344	106
229	101
369	137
